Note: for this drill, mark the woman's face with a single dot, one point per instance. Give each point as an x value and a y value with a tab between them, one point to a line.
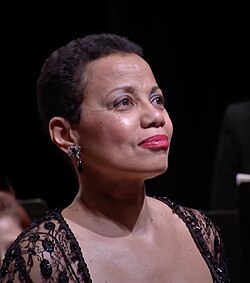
124	127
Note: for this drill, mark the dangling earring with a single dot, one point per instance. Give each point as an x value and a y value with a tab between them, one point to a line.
75	150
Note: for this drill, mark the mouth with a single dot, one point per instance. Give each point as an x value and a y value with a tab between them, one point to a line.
156	142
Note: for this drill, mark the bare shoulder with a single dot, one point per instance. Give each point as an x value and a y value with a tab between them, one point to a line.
195	220
158	206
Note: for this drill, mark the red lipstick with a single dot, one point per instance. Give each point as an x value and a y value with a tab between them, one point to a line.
156	142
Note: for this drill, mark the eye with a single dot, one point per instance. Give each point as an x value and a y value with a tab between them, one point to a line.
123	104
158	101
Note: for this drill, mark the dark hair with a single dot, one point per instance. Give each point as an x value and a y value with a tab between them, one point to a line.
61	84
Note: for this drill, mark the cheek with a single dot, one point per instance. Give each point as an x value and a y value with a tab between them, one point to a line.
169	126
117	129
106	129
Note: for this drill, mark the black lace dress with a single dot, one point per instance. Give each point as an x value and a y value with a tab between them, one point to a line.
51	236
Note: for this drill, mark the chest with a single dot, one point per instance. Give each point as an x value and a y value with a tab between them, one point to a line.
156	259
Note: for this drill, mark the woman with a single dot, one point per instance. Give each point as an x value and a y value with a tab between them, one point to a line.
13	217
101	106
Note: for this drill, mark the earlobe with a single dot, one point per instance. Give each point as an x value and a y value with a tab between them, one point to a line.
61	133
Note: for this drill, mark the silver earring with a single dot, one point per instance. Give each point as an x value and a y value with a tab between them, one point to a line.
75	151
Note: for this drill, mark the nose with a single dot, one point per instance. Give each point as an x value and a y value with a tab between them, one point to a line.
152	116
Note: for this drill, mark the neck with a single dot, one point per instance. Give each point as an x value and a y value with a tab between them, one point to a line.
110	211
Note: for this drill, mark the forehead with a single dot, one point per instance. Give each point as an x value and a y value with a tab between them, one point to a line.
116	65
114	73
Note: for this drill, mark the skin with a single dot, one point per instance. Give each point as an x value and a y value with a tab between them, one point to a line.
13	218
11	224
125	236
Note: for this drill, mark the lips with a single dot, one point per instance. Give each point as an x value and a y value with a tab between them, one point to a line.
156	142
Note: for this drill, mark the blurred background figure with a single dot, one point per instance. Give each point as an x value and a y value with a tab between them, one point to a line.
13	216
232	155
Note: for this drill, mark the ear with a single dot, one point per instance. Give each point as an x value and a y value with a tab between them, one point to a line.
62	134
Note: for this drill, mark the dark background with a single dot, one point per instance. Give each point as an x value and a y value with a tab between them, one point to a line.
199	52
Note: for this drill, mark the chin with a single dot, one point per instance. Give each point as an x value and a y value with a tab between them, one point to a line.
161	167
157	172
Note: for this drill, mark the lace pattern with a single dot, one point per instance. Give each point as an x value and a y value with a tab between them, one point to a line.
49	244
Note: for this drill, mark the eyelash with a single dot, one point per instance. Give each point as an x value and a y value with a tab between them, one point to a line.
159	99
120	103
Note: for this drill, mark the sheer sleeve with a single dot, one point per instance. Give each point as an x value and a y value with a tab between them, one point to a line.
45	252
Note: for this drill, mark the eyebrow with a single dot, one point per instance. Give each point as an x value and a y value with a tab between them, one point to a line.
155	88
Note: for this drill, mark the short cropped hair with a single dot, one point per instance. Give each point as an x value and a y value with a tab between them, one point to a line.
61	84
